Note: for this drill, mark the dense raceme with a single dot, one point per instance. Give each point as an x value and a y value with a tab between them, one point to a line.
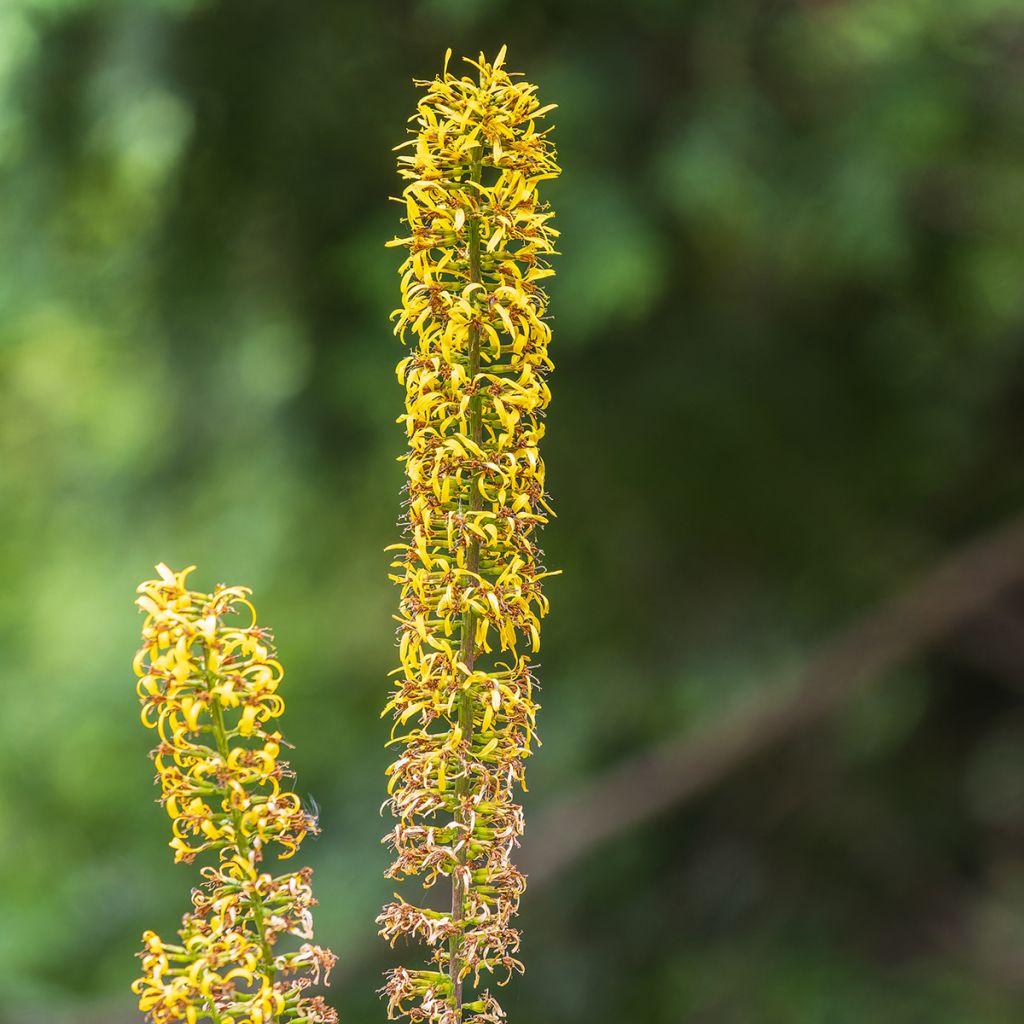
208	682
473	313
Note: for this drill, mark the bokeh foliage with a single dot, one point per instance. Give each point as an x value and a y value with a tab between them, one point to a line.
788	329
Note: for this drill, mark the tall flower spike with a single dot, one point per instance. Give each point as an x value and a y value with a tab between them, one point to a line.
469	569
208	682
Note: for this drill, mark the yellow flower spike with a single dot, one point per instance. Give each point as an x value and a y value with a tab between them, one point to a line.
474	316
206	684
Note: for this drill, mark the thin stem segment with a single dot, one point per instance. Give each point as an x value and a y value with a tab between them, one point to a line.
220	735
467	652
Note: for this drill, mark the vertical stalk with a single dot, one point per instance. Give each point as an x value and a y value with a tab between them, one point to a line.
473	426
221	736
467	650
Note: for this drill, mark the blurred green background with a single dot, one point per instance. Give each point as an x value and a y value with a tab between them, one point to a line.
789	335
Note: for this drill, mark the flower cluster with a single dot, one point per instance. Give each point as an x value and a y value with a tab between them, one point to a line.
470	569
208	682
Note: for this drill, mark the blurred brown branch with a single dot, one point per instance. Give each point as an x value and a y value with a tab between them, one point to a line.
993	643
938	602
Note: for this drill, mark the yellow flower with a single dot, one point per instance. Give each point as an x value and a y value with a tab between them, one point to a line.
208	684
474	315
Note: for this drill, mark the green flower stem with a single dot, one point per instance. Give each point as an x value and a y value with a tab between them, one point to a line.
467	652
220	734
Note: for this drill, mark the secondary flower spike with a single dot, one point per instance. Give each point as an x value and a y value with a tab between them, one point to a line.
473	314
208	682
